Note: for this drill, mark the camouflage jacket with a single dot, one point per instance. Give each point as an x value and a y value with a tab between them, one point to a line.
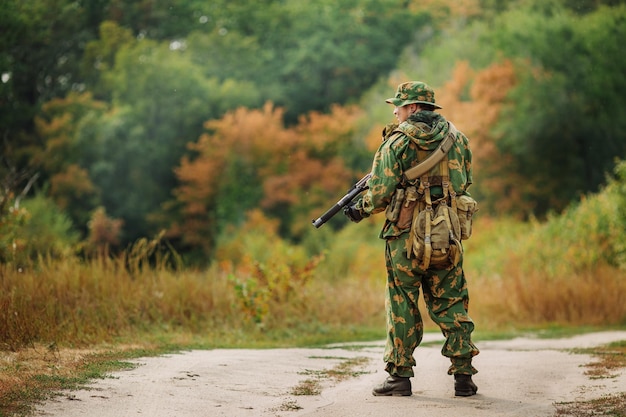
404	147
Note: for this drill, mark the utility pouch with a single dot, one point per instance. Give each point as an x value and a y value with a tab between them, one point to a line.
435	235
466	206
393	209
411	198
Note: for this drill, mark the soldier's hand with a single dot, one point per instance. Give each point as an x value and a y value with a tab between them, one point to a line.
352	213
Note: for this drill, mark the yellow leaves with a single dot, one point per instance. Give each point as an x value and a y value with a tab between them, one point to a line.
488	91
267	273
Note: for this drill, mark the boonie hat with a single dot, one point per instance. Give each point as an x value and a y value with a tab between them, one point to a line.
413	92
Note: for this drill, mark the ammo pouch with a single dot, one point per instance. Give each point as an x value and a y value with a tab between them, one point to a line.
393	209
466	206
411	198
403	203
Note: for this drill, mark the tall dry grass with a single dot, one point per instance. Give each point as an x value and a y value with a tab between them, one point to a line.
568	271
261	287
75	302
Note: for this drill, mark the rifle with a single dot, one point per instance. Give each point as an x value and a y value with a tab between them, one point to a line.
356	189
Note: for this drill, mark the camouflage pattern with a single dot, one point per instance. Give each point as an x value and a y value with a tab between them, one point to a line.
404	147
413	92
446	295
444	290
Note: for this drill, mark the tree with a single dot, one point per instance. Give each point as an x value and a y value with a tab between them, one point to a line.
99	58
122	157
63	159
475	100
566	126
559	128
302	63
40	42
249	160
161	99
333	58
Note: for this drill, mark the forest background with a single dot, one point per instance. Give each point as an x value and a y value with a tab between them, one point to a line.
161	161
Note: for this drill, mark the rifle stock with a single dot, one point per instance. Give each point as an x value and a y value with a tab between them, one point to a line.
356	189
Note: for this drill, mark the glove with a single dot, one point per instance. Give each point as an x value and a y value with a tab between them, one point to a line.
352	213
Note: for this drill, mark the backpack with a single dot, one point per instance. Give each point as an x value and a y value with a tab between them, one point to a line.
437	227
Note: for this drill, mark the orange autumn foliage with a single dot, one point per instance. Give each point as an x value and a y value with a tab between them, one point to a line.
474	101
71	185
104	232
57	125
61	155
296	167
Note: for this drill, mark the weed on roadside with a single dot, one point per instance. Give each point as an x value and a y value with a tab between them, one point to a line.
307	387
610	358
288	406
344	370
609	405
33	375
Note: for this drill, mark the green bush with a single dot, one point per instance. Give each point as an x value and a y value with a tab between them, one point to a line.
37	227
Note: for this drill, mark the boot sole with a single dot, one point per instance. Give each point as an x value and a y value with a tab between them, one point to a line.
393	394
465	393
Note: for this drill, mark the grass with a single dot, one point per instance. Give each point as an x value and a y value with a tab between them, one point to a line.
289	406
608	405
64	321
347	368
307	387
609	358
33	375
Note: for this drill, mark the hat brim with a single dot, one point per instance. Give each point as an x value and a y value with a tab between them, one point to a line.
399	103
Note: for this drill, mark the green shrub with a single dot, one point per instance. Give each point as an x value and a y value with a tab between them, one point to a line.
587	234
36	227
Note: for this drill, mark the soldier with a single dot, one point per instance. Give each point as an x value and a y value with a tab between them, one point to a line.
419	131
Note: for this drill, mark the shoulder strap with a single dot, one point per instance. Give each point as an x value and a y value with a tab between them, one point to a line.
433	159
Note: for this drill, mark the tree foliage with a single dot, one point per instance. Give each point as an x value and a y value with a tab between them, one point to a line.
184	115
565	128
250	159
101	97
475	100
558	132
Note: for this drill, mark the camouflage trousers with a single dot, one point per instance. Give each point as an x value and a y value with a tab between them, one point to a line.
446	298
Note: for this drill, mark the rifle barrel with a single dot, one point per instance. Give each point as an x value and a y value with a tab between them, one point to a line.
356	189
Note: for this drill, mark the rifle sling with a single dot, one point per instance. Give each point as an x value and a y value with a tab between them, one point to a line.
433	159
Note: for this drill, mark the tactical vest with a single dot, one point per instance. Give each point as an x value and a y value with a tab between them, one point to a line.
436	225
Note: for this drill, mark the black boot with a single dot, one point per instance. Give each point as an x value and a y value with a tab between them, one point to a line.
464	386
394	385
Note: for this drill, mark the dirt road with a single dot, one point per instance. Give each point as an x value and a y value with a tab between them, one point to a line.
523	377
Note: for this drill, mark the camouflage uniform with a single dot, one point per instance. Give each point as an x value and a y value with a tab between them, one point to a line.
445	290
